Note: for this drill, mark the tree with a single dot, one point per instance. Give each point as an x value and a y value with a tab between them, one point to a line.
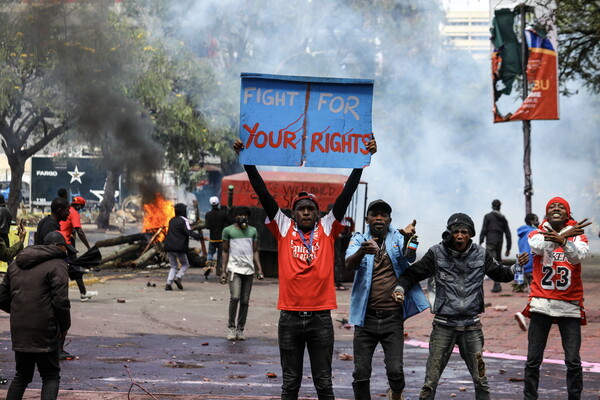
578	23
33	111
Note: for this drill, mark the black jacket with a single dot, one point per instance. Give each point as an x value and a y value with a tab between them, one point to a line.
45	226
178	235
457	279
494	226
35	291
216	220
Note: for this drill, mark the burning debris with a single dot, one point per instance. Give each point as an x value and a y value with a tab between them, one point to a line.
146	248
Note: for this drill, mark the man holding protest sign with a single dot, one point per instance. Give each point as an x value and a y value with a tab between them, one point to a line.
305	245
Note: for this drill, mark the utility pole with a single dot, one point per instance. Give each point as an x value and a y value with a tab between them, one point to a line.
528	187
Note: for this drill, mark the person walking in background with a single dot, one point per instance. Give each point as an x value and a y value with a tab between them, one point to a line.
241	261
531	222
377	256
68	228
176	245
215	220
494	226
35	292
306	286
5	221
457	268
558	246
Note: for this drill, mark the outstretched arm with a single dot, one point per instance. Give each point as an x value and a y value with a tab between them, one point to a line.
266	199
344	199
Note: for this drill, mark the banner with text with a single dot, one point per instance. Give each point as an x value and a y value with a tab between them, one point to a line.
295	120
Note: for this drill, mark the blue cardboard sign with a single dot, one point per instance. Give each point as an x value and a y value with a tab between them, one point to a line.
295	120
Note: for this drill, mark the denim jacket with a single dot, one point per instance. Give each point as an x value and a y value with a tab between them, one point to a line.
415	300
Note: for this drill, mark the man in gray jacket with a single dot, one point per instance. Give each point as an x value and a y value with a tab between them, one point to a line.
456	268
35	291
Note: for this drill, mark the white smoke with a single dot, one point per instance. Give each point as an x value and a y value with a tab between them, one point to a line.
439	151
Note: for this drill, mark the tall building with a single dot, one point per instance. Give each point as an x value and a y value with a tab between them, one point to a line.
469	30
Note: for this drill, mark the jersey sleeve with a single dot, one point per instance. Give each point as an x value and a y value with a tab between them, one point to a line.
279	225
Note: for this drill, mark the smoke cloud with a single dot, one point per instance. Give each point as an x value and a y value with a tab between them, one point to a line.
439	152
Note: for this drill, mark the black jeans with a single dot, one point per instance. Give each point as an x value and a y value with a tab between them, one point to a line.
387	328
312	330
537	336
47	364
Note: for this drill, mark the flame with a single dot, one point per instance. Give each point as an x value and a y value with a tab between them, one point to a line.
157	215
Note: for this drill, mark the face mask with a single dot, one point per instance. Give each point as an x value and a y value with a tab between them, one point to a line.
243	222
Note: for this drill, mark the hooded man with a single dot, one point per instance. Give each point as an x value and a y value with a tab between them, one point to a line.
558	246
35	291
177	243
377	256
456	268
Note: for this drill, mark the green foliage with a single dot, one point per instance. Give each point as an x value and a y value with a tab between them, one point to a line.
578	24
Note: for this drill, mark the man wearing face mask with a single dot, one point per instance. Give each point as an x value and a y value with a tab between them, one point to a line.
305	245
558	246
240	257
377	256
456	268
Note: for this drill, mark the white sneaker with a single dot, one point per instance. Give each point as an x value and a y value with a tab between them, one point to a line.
231	334
88	295
521	320
239	335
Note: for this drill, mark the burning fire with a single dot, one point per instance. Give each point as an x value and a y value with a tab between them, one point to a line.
157	215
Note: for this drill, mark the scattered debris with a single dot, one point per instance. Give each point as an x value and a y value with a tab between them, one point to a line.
271	375
346	357
120	300
501	308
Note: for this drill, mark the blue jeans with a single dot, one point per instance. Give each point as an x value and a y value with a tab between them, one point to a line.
215	248
312	330
239	290
387	328
537	336
441	344
47	364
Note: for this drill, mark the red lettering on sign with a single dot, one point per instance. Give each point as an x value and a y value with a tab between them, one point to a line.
339	143
252	132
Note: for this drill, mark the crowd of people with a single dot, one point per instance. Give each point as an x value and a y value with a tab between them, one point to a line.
385	292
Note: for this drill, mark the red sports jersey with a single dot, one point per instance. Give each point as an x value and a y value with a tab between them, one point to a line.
305	286
561	280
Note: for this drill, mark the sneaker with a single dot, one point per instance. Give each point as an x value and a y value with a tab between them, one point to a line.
497	288
177	281
231	334
88	295
521	321
391	395
63	355
3	380
168	286
239	335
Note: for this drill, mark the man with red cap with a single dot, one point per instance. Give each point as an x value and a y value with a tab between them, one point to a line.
558	246
305	245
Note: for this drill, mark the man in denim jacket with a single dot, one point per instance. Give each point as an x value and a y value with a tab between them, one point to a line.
377	256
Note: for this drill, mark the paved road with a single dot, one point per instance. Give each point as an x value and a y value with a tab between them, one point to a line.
172	343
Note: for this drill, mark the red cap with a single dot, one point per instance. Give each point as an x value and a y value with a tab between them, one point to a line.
304	195
78	200
561	201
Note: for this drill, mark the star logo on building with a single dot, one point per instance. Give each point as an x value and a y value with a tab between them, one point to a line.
76	175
